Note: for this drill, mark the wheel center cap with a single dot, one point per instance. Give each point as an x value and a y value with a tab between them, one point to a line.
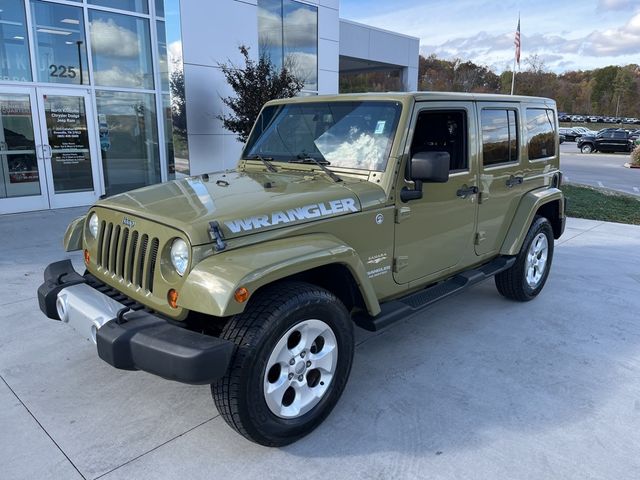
300	366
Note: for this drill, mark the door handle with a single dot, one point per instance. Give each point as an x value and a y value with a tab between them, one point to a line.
513	181
465	191
46	151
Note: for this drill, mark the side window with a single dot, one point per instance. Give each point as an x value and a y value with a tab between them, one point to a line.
443	131
499	136
541	138
619	135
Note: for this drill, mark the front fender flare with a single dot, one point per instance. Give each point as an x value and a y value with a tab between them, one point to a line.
529	205
210	286
73	236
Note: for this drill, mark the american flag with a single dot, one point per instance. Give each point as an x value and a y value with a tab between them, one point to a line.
517	42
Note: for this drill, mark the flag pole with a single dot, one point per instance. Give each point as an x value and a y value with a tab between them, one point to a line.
513	75
516	57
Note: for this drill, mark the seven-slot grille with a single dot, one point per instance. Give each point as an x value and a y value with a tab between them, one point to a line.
128	254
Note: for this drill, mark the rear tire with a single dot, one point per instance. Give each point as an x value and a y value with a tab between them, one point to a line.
524	280
293	358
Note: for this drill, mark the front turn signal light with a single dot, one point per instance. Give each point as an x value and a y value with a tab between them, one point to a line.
172	298
87	256
241	295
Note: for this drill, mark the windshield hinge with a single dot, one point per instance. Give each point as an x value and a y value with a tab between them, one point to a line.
216	235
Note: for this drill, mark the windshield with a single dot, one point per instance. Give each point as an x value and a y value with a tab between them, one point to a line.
341	134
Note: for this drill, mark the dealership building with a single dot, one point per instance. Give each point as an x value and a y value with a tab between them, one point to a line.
98	97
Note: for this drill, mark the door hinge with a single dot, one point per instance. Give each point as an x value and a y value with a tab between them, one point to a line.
480	237
399	263
402	214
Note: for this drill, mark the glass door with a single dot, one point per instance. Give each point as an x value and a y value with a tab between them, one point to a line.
68	146
22	181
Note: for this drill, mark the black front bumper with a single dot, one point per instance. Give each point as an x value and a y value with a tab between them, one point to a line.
141	340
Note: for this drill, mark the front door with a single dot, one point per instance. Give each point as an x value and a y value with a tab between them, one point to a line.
48	151
68	147
435	233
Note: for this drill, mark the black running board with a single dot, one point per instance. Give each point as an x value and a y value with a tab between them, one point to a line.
401	308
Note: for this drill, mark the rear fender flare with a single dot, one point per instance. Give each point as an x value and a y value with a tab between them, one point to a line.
522	220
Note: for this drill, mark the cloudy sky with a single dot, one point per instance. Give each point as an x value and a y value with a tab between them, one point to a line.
567	35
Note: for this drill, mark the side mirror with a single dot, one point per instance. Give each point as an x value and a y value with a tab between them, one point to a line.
430	167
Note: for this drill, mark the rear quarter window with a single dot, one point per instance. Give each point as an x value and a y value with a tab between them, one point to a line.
541	136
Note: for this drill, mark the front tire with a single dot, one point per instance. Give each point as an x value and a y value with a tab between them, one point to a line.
586	148
524	280
293	358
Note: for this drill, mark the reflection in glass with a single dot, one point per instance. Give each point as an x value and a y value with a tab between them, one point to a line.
168	137
68	140
60	43
288	35
159	8
120	49
345	134
128	140
14	52
178	128
163	59
499	136
270	30
139	6
300	34
541	133
18	163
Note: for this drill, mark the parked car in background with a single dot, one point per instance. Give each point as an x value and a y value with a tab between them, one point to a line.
563	117
570	134
606	142
585	131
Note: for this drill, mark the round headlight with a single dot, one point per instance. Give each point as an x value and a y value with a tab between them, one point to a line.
180	255
93	225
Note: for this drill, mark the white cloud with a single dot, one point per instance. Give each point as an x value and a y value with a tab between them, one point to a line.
112	40
117	76
304	66
619	41
297	28
617	4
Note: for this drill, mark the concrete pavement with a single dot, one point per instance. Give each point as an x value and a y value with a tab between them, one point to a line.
476	387
600	170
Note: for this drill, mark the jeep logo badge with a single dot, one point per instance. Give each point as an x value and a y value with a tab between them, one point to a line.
128	222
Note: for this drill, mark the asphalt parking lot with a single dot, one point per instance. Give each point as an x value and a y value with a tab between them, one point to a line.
476	387
600	170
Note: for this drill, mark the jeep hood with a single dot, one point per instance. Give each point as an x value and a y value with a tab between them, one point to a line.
245	202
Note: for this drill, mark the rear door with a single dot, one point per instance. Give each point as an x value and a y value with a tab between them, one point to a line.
501	174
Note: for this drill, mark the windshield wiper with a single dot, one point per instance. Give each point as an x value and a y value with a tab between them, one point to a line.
304	158
264	160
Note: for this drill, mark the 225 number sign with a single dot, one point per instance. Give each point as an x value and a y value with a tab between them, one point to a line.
62	71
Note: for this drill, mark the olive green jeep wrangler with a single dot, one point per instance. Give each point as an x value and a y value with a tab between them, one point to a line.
343	210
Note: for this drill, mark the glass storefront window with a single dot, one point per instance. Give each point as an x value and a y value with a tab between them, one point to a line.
288	36
121	50
18	162
139	6
159	8
270	30
128	140
60	43
163	58
300	35
14	51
